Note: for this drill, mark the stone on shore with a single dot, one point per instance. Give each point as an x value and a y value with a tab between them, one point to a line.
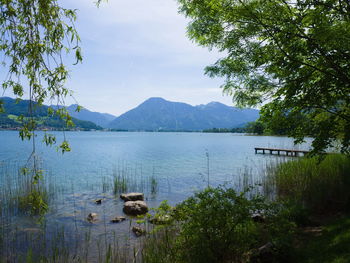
135	208
92	217
138	231
118	219
258	218
132	197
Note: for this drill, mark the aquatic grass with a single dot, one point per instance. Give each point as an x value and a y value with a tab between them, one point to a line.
21	199
19	194
41	247
321	186
120	184
154	185
128	178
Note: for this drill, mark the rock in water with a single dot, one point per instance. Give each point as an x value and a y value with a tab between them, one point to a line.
135	208
138	231
92	217
132	197
118	219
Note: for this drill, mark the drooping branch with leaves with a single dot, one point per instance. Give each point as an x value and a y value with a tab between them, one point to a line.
35	38
293	57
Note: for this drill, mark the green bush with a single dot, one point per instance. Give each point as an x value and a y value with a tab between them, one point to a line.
217	225
321	187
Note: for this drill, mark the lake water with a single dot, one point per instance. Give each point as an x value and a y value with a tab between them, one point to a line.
177	163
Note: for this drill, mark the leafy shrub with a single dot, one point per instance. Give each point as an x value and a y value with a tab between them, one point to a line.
217	225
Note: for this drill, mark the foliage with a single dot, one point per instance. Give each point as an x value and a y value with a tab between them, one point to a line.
164	214
294	55
35	202
320	187
256	127
33	197
225	130
42	123
217	225
275	123
34	35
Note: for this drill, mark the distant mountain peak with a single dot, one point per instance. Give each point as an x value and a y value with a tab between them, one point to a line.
216	104
155	99
157	112
101	119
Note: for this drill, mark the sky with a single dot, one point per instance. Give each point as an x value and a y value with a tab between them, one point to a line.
134	50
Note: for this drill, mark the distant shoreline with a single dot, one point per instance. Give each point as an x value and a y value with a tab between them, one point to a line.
134	131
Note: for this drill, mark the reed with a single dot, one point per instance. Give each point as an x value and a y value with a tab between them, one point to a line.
321	186
128	178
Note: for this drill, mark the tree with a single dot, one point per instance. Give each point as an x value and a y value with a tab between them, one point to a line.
256	127
34	35
292	57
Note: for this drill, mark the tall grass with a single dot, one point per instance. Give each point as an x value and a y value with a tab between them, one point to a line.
321	186
18	193
128	178
22	197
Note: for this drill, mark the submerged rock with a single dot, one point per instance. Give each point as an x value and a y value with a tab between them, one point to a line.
135	208
138	231
118	219
132	197
92	217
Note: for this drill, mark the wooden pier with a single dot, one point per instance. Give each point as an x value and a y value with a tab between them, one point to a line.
288	152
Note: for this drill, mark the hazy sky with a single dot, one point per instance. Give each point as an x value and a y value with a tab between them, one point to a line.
136	49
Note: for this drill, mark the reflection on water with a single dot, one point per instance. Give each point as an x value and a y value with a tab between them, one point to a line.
167	166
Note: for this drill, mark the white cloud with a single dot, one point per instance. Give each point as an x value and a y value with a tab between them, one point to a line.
136	49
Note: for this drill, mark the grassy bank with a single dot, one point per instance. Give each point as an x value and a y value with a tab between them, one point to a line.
301	224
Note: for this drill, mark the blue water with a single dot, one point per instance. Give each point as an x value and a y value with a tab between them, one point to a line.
178	158
178	161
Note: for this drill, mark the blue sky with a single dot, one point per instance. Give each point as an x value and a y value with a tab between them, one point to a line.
136	49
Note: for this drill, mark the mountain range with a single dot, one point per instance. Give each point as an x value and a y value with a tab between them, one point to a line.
159	114
101	119
14	109
156	114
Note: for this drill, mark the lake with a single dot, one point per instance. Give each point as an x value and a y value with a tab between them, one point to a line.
165	166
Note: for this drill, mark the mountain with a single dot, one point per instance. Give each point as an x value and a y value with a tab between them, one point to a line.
13	110
101	119
159	114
